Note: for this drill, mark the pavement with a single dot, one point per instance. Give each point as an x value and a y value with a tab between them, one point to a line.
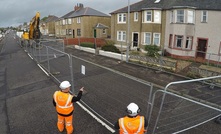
26	92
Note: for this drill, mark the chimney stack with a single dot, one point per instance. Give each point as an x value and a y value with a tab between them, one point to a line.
78	6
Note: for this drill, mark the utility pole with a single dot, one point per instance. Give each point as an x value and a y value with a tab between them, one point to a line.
128	30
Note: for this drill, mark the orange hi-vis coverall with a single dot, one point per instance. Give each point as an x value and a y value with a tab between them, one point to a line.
64	107
131	125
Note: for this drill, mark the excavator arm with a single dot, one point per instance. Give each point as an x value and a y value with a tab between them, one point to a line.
34	30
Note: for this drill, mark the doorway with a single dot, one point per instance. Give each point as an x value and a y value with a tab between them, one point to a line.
73	34
135	40
201	48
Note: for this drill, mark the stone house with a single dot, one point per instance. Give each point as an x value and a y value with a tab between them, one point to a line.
83	22
183	28
47	26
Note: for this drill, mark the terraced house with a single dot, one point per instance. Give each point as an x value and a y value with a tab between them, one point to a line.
82	22
183	28
48	25
147	24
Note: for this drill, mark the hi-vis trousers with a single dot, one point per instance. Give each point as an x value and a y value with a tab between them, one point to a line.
68	123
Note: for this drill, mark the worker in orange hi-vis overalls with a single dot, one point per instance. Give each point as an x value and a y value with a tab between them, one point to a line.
63	101
133	123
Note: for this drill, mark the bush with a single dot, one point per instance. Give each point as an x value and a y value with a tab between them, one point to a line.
152	50
110	48
87	44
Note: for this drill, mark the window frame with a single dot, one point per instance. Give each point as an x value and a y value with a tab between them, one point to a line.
145	43
78	20
180	15
191	41
135	16
78	32
154	38
204	15
146	16
155	16
190	16
69	21
121	36
121	18
175	43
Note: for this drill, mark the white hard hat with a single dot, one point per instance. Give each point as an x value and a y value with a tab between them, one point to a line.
133	109
65	84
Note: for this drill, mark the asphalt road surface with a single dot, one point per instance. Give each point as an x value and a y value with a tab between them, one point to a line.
26	92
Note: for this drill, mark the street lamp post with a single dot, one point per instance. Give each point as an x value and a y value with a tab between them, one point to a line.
128	30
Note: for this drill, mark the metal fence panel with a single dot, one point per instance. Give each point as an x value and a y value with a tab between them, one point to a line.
109	88
195	105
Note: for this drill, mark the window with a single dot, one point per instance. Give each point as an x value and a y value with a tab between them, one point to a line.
156	39
121	35
171	17
66	21
135	16
148	16
190	17
204	16
179	40
147	38
157	16
69	32
104	31
63	22
78	20
121	18
78	32
180	16
170	40
189	41
69	21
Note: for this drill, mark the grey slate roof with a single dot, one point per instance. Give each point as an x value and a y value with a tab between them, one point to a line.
51	18
100	26
168	4
87	11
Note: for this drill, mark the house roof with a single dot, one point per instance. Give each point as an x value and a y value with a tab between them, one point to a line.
169	4
51	18
100	26
87	11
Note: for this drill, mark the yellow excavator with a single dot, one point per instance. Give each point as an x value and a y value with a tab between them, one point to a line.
34	30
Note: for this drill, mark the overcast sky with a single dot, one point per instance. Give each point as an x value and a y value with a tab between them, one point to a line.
15	12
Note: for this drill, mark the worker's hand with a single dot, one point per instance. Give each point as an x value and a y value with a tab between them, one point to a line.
82	89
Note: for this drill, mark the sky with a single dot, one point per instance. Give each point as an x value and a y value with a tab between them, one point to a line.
16	12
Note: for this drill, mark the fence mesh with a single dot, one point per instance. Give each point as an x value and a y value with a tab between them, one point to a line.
108	92
180	114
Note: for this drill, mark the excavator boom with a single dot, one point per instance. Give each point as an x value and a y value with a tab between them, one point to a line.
34	30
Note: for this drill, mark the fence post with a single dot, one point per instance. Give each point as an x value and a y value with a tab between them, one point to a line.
48	59
71	71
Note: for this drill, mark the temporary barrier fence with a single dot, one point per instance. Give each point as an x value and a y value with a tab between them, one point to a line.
108	91
178	113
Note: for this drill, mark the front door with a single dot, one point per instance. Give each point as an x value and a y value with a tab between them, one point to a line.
135	39
73	34
201	48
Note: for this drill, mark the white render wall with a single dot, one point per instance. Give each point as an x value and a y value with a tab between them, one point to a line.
210	30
